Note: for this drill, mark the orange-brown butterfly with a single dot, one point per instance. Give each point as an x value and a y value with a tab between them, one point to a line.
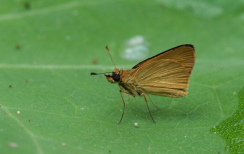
166	74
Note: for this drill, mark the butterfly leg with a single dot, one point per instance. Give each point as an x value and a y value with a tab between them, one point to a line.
124	104
153	103
148	107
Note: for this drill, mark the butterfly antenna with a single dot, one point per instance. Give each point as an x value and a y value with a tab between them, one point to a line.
110	56
92	73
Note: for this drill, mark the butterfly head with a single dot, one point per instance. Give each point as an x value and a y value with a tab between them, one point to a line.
115	77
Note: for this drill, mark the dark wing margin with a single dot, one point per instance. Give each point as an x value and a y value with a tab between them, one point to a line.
166	55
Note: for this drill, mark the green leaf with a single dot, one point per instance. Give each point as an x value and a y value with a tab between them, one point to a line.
232	128
51	104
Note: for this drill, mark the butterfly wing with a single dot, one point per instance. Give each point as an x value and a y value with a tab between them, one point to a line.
162	77
183	54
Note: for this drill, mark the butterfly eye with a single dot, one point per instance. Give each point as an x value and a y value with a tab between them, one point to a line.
116	77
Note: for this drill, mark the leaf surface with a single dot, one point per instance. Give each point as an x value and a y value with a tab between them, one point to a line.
51	104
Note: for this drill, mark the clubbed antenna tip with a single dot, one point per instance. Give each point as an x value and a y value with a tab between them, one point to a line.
93	73
107	49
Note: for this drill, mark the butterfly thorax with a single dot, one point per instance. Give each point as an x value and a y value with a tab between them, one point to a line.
128	83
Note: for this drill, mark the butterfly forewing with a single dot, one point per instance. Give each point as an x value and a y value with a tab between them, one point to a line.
153	78
165	74
184	54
